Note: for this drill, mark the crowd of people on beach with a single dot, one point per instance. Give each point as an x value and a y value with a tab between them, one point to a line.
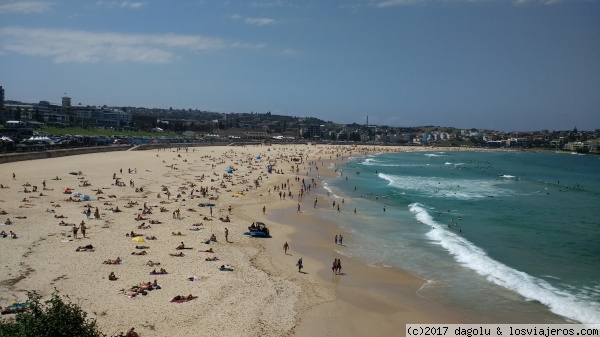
293	188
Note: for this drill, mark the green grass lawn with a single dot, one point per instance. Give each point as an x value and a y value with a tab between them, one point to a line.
101	132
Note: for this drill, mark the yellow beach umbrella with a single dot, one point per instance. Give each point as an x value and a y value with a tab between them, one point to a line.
138	239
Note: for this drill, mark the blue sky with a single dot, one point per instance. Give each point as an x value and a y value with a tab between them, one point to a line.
496	64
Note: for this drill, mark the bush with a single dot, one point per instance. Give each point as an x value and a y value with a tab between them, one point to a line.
52	318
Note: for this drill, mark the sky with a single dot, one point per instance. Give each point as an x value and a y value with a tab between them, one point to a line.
506	65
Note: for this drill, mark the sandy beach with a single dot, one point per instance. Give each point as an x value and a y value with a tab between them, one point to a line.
262	295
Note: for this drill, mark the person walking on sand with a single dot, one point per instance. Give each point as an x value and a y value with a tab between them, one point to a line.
341	239
285	248
75	229
264	209
88	213
226	234
298	208
211	212
299	264
336	239
82	227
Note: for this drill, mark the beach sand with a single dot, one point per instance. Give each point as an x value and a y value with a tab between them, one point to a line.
264	295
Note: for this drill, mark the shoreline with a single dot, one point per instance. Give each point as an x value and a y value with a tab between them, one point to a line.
368	298
524	313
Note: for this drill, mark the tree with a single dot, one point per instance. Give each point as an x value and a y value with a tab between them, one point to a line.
17	114
38	116
53	317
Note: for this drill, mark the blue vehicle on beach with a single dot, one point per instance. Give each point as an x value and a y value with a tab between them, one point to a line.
258	229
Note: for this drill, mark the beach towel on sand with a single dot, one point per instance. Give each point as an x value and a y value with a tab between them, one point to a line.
14	308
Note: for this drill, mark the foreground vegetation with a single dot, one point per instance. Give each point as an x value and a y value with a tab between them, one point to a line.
52	318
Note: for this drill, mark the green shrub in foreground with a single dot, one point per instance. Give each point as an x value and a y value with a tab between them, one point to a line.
52	318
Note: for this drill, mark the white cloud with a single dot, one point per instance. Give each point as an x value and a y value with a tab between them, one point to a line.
277	3
25	7
253	21
259	21
134	5
121	4
107	4
289	52
390	3
351	7
550	2
83	47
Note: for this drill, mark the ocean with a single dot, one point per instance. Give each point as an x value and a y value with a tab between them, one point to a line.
507	237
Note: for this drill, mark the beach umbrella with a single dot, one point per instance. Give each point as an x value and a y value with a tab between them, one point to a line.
138	239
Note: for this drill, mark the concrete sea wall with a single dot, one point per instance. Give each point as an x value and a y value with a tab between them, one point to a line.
21	156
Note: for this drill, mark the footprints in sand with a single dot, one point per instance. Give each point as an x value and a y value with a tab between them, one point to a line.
11	282
56	279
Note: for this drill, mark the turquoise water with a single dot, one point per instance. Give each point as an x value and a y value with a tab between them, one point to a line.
507	236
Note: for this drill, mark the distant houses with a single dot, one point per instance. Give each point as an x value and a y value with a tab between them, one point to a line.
46	112
276	128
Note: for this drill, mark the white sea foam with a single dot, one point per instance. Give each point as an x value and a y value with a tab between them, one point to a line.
439	154
427	284
373	162
550	276
462	189
507	176
328	189
560	302
455	164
